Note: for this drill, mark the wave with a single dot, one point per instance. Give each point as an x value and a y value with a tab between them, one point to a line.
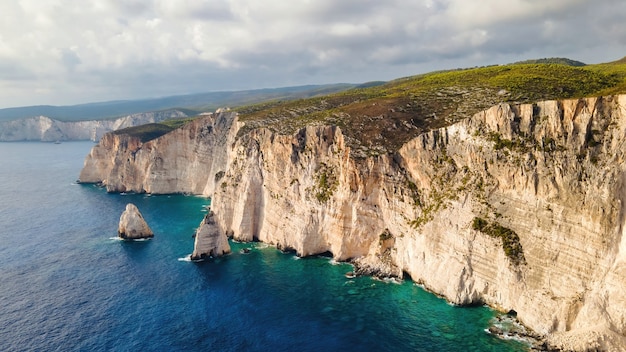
186	258
388	280
508	328
504	335
420	286
393	280
119	239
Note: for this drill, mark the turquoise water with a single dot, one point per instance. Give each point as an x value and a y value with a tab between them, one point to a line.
67	284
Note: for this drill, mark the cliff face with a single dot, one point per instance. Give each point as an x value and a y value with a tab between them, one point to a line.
521	207
45	129
554	174
187	160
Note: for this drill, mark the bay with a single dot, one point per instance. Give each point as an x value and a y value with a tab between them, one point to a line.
67	283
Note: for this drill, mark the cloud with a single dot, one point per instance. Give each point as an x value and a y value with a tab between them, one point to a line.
470	14
106	49
69	59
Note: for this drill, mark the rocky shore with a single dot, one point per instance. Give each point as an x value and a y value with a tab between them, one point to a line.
520	207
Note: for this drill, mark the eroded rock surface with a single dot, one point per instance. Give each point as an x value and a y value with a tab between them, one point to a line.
132	224
191	159
210	241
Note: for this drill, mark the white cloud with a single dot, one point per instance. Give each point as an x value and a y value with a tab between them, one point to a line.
469	14
71	51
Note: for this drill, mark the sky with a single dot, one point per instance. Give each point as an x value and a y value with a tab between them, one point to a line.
64	52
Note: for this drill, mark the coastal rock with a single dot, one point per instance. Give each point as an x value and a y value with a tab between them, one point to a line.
521	207
132	224
191	159
45	129
210	241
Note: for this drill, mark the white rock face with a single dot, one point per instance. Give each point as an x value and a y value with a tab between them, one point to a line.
45	129
191	159
552	175
210	241
132	224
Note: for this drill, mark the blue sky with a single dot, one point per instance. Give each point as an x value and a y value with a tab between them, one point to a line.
62	52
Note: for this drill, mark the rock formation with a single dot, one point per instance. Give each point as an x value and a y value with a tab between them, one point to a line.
132	224
45	129
210	241
521	207
188	160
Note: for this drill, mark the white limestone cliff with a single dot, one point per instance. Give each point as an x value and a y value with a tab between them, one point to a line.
209	240
549	177
132	225
191	159
45	129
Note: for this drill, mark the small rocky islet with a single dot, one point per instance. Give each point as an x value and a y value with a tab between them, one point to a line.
132	225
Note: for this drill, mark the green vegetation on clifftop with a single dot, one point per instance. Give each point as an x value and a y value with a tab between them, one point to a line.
554	60
381	118
151	131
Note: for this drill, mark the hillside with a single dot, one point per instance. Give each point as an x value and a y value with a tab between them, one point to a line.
382	118
151	131
191	104
553	60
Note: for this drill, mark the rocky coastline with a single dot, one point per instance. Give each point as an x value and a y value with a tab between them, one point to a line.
45	129
520	207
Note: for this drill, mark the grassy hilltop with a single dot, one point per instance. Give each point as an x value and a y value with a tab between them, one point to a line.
379	118
151	131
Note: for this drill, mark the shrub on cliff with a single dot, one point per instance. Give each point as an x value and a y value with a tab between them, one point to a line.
510	240
326	183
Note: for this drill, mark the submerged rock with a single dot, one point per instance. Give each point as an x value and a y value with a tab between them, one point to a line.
132	224
210	240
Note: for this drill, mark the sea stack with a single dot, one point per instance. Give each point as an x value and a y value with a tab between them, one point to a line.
132	224
210	241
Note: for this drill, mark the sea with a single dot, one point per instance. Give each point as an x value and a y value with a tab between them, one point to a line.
68	284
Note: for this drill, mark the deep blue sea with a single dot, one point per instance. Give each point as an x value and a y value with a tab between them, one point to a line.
66	283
